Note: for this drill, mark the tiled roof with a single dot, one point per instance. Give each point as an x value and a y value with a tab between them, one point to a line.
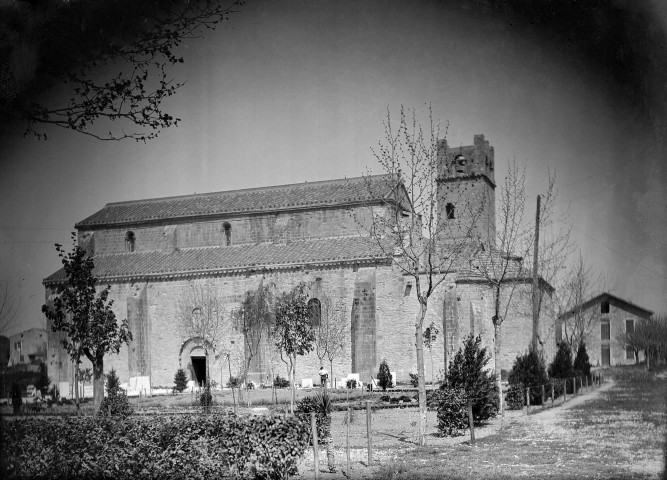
599	298
197	261
254	200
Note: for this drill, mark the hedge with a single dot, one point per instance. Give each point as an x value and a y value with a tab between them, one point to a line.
157	447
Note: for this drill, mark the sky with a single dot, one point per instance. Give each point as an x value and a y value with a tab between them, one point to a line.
294	91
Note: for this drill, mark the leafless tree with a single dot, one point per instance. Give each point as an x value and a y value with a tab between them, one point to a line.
501	263
410	230
332	332
201	314
254	320
580	284
649	335
9	308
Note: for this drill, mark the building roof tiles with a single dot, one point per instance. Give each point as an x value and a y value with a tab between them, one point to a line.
234	202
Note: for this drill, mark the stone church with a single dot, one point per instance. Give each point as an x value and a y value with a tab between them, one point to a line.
149	251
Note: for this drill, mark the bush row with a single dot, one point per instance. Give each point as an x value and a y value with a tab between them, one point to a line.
175	447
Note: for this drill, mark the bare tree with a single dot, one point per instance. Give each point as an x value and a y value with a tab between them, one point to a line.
581	283
9	308
411	230
113	57
201	316
254	320
500	264
332	332
649	335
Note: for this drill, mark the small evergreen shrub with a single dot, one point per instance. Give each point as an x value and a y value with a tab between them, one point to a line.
561	368
384	376
385	398
280	382
452	412
206	398
414	380
528	371
582	364
116	402
515	399
180	380
467	372
352	383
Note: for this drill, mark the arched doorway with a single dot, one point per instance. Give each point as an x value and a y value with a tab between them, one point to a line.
198	366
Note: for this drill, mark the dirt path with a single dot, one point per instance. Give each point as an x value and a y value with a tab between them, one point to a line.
547	438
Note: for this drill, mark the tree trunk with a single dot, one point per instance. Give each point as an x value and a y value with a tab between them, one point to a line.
332	378
98	383
421	385
76	384
292	374
496	355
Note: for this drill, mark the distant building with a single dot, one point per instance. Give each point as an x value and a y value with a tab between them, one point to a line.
607	319
151	250
28	347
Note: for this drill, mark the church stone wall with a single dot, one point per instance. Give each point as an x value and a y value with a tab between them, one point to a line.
276	227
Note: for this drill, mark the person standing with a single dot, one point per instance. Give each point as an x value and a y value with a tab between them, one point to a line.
324	376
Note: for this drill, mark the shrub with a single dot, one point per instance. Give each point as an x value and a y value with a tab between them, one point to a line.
352	383
528	371
180	380
384	376
452	411
385	398
321	404
561	368
116	405
516	396
159	446
280	382
116	402
206	398
235	382
467	372
414	380
582	364
113	383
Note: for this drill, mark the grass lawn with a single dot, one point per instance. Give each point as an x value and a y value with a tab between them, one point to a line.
620	432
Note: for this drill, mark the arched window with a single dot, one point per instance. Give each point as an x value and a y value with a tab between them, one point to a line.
228	233
129	241
315	311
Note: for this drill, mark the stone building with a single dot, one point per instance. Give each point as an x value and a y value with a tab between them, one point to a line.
605	319
151	251
28	346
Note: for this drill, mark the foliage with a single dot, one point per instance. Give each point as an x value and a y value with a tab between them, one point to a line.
112	57
467	372
206	398
116	402
332	331
515	399
235	382
160	446
528	371
43	381
321	404
86	316
180	380
384	376
582	364
561	366
351	383
452	411
650	336
414	380
113	383
280	382
293	331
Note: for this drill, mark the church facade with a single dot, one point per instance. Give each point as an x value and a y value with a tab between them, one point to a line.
151	251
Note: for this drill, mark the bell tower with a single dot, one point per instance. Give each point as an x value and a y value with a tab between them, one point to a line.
466	190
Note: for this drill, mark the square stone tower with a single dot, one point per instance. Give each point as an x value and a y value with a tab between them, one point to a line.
466	190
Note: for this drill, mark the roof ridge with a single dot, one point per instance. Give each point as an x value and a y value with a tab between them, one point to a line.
239	190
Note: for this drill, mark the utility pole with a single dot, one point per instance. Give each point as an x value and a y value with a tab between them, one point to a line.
536	290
